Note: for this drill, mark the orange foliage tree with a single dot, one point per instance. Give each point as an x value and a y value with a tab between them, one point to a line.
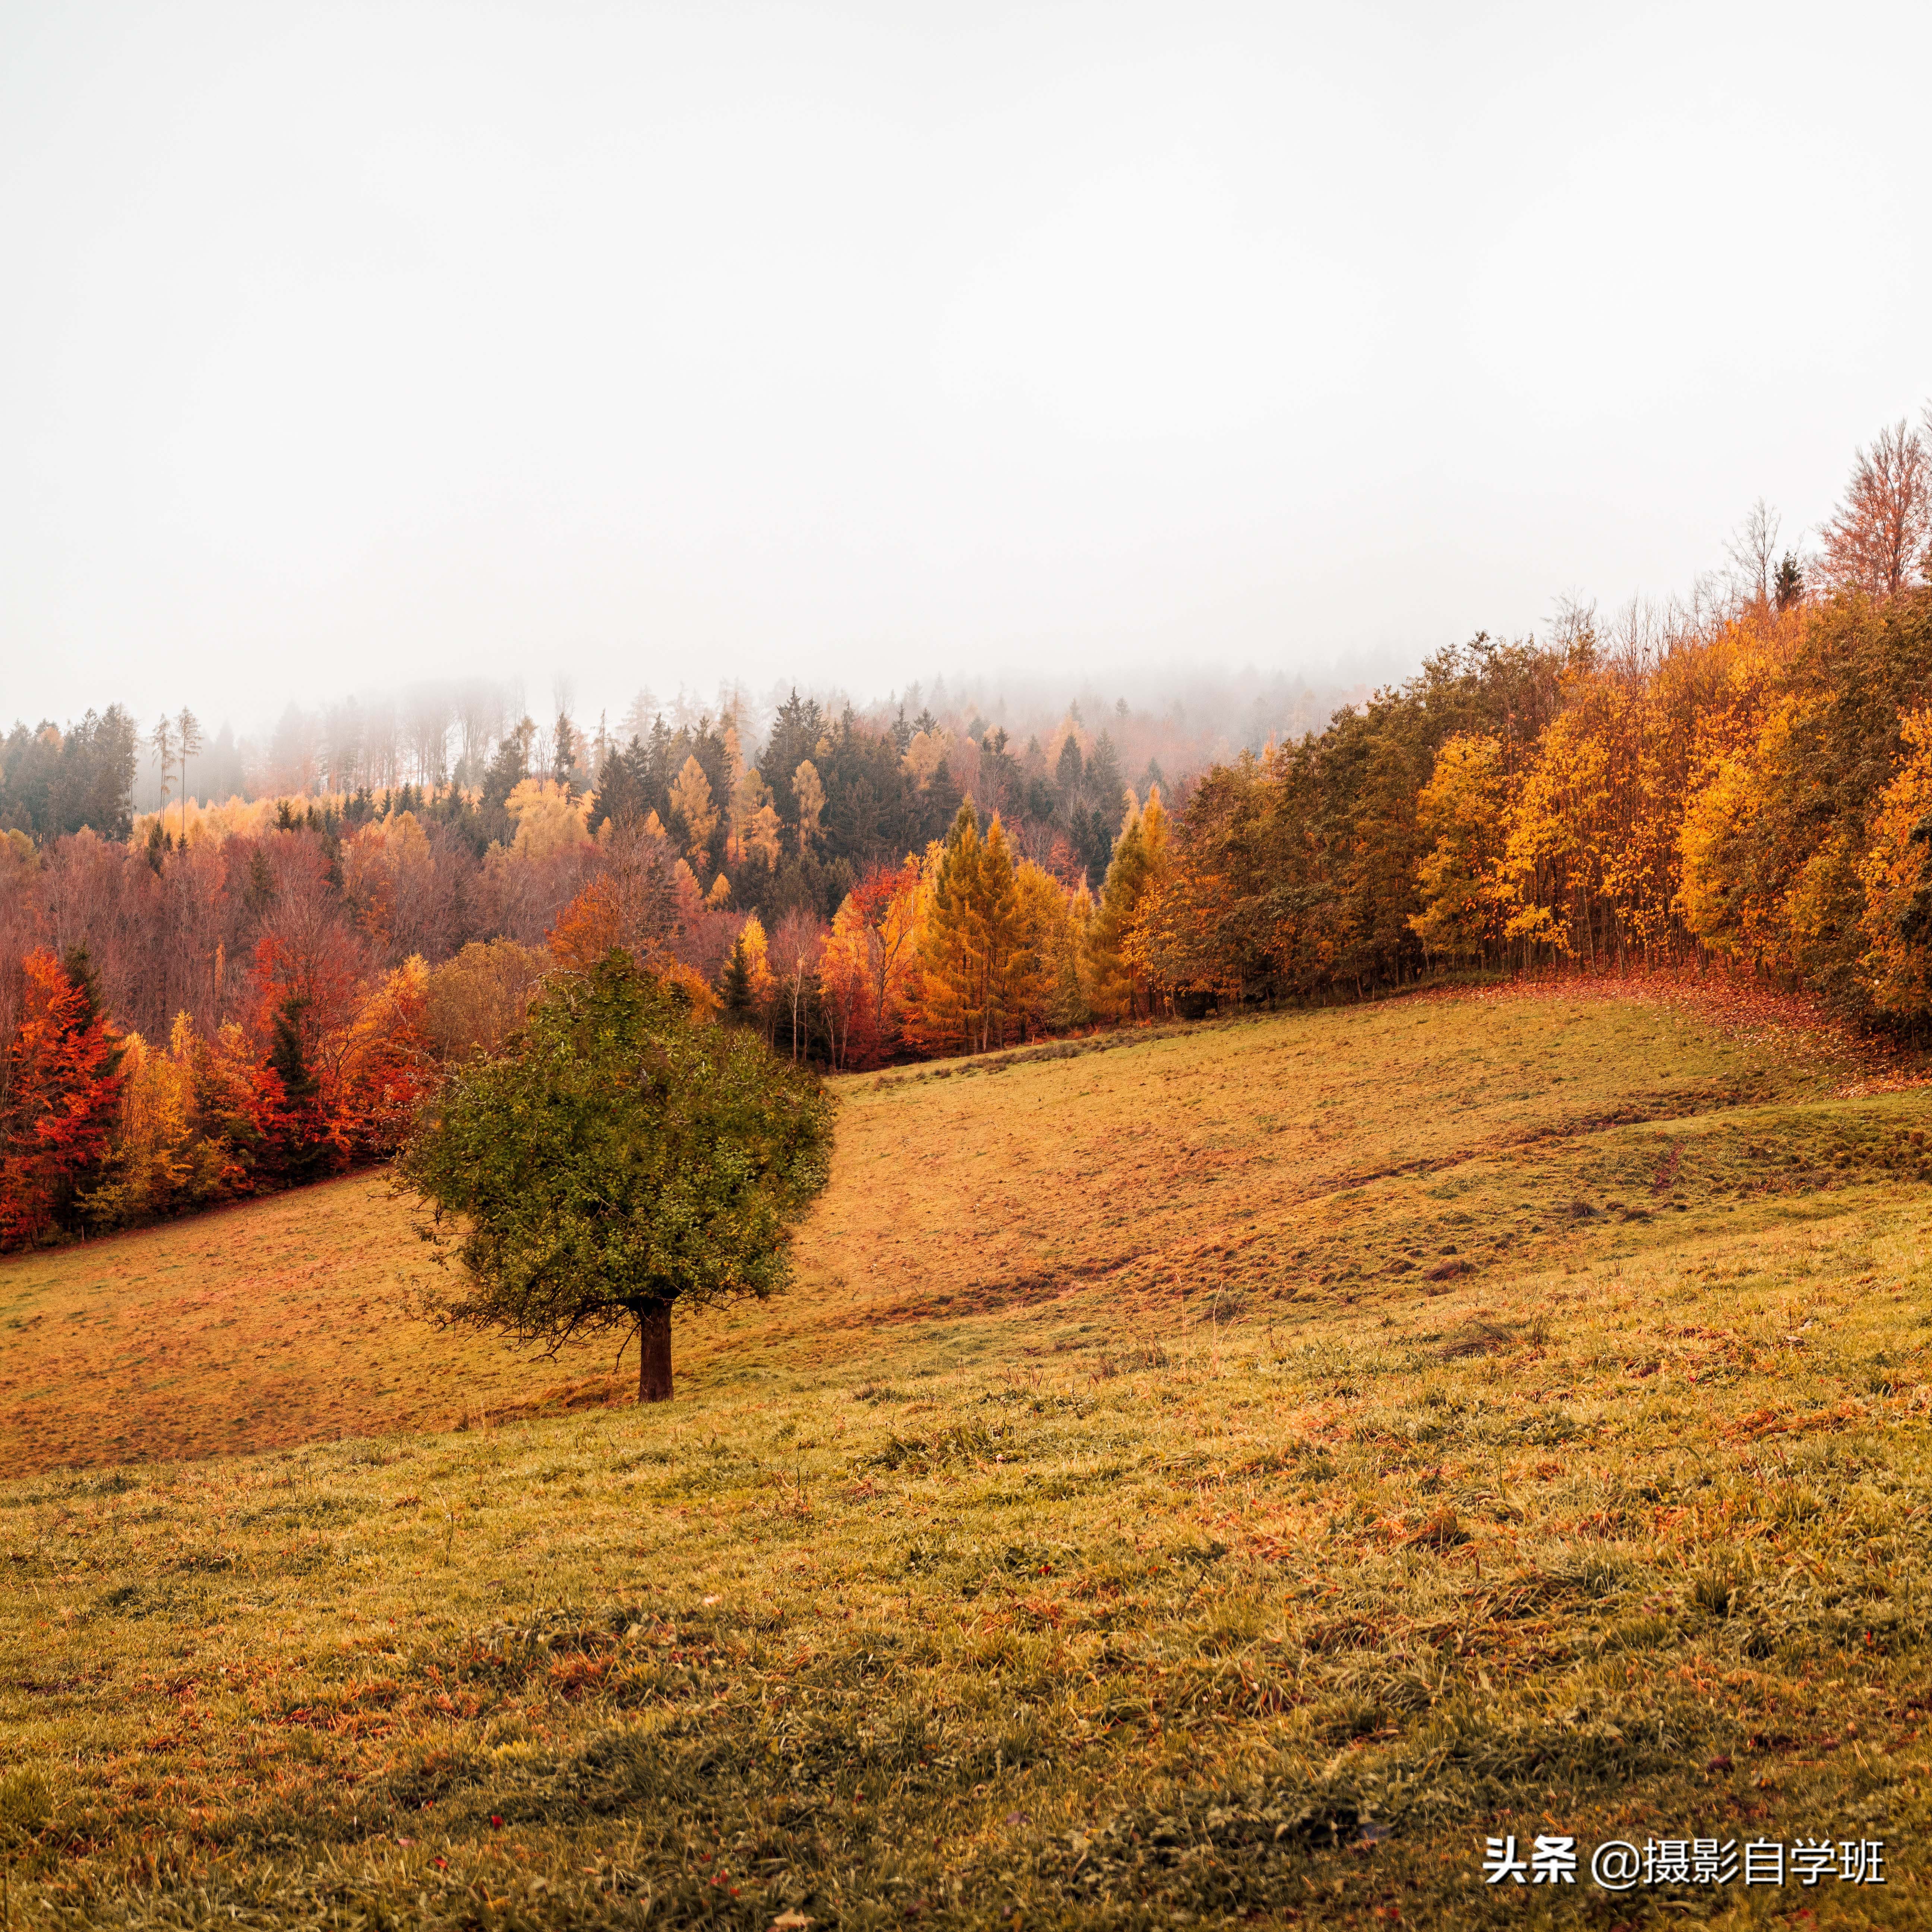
1897	874
868	963
380	1065
608	916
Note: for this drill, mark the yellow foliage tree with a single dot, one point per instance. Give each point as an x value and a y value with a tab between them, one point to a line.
1173	942
690	803
1464	809
973	953
162	1163
924	756
549	821
1551	856
758	959
1768	878
730	805
1896	873
810	793
749	991
1714	846
387	866
1048	996
474	1002
755	828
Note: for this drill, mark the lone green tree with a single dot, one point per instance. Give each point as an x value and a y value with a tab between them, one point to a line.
618	1156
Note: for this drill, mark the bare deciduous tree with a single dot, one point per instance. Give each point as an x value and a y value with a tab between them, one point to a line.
193	922
294	763
342	757
637	719
1753	549
1876	542
431	716
187	744
23	917
797	946
482	716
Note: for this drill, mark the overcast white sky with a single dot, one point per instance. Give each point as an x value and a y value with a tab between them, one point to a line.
343	345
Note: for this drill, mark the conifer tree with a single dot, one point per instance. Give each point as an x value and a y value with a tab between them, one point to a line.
948	1016
162	742
563	755
298	1144
691	802
619	795
1114	989
187	744
973	937
735	984
1002	935
1069	770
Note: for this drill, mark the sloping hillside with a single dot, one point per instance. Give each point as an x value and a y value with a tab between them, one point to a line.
281	1322
1278	1166
1227	1474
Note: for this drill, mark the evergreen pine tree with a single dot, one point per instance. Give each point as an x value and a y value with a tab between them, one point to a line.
1069	770
620	792
259	892
286	1057
299	1148
736	985
1105	785
1140	861
78	964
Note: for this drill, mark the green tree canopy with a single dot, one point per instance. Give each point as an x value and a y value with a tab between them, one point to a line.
618	1156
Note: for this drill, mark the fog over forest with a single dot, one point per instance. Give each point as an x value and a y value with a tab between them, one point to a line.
436	732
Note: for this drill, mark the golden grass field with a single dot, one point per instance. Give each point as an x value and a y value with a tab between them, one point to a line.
1211	1475
281	1322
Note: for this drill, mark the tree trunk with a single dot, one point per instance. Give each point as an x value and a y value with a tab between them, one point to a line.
654	1352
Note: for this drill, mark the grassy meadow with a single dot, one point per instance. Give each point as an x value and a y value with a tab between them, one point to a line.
1217	1474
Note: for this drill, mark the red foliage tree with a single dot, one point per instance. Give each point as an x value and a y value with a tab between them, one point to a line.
298	994
868	961
63	1092
299	1137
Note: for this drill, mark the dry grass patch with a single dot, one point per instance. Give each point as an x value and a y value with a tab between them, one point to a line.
280	1321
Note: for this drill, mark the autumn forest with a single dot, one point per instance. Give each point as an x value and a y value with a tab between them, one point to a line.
227	995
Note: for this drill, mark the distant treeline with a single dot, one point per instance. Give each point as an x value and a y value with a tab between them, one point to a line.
53	782
828	798
206	1001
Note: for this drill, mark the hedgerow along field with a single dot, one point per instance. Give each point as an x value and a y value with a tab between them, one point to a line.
1221	1476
